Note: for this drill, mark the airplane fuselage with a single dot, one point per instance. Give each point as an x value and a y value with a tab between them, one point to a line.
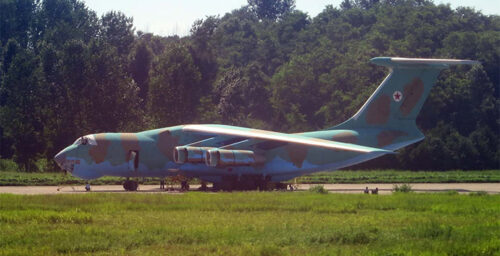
151	153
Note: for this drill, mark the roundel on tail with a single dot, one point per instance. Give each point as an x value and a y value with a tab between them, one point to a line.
397	96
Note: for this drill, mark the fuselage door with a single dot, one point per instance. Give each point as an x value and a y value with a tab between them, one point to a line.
133	162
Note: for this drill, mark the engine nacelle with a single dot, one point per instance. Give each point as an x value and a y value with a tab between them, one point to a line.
189	154
224	157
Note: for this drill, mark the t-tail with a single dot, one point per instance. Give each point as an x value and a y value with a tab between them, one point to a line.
392	109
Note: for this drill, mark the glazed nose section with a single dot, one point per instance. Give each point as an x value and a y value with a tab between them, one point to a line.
60	159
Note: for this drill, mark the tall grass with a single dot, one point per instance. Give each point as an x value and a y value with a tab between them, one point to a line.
401	176
251	223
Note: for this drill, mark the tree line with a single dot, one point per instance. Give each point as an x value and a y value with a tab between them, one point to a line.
65	72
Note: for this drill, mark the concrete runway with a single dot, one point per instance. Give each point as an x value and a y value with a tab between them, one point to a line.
492	188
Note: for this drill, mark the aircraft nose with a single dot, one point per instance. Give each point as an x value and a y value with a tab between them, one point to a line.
60	158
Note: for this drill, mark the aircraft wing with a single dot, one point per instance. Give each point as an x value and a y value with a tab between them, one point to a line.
277	136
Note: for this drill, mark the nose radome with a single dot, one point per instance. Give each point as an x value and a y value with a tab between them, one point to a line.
60	158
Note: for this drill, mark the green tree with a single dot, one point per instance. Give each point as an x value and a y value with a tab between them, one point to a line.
110	95
235	39
91	92
203	51
117	30
21	111
241	96
59	21
295	94
141	59
173	87
16	20
11	49
271	9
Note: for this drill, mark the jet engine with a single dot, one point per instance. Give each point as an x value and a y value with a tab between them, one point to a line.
189	154
224	157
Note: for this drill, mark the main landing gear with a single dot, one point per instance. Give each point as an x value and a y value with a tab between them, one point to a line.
184	185
130	185
184	181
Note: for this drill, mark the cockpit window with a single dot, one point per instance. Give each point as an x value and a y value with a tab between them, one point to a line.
89	139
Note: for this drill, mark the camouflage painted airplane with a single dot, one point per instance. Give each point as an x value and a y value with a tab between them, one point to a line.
242	158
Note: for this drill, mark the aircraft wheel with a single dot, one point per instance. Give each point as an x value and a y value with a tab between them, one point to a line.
184	186
263	186
227	186
216	186
203	186
280	186
126	185
135	185
246	184
222	186
130	185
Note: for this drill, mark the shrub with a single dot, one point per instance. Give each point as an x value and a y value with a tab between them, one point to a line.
478	193
405	188
8	165
42	165
318	189
451	192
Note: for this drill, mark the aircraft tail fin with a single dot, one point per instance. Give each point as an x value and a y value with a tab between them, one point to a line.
397	101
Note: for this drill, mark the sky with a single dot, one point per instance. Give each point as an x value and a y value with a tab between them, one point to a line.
175	17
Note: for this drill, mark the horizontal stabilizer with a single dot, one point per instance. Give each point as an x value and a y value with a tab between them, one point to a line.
397	61
277	136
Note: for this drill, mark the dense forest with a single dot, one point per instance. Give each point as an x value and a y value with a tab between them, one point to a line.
65	72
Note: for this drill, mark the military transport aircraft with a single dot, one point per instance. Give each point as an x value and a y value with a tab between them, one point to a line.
243	158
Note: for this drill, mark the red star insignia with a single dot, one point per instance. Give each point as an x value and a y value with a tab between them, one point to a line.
397	96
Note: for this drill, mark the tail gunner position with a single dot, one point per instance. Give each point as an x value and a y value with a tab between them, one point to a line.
243	158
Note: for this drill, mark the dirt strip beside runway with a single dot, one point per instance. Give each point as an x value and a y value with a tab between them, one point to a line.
492	188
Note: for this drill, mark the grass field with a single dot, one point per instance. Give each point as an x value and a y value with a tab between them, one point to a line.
375	176
253	223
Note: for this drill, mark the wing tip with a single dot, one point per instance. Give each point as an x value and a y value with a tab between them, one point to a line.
381	150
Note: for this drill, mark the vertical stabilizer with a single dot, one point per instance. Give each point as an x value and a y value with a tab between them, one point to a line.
396	103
